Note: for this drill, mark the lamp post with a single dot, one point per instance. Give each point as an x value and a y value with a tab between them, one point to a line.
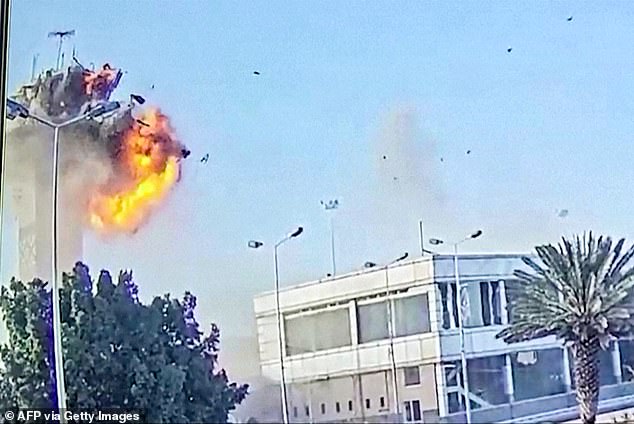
256	245
463	356
390	330
331	206
14	110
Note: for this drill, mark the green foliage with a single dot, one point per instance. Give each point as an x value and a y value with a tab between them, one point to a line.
117	351
580	290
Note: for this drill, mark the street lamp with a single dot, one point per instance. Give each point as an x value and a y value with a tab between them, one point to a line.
390	328
254	244
331	206
463	356
14	110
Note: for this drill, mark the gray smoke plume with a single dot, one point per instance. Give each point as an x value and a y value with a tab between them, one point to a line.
408	187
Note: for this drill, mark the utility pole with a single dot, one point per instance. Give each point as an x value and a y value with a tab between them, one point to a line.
61	35
4	78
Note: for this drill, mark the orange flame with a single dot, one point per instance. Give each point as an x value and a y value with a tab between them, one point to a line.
98	81
149	161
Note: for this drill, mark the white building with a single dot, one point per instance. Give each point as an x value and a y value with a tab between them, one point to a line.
336	348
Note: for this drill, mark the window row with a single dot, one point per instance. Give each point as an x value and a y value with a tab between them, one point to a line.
332	328
323	409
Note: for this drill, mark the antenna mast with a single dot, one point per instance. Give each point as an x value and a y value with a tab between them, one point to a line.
61	35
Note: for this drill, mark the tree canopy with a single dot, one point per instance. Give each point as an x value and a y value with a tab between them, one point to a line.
582	292
117	352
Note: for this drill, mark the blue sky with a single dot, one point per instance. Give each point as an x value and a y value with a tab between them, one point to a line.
549	127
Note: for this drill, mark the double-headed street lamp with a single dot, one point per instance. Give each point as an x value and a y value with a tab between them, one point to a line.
15	110
459	295
254	244
390	329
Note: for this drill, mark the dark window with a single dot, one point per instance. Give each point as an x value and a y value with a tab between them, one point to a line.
627	359
487	380
538	373
295	411
411	315
449	305
349	405
372	322
367	403
411	376
382	402
412	411
416	410
323	408
337	407
307	409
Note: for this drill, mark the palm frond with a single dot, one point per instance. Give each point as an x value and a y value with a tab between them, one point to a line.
579	288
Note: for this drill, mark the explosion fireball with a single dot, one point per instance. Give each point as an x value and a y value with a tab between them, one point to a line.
142	152
149	167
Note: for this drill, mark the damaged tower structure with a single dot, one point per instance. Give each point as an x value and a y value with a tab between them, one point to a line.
57	96
93	159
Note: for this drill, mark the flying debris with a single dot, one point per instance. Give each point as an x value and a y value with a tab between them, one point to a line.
152	87
185	153
509	49
562	213
442	159
140	122
468	152
205	158
138	99
395	178
569	18
256	73
384	157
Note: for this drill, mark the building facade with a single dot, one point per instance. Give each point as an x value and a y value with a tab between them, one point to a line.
336	347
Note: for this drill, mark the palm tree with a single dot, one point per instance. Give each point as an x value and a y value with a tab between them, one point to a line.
582	294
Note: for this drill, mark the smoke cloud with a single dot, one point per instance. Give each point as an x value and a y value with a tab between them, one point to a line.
408	186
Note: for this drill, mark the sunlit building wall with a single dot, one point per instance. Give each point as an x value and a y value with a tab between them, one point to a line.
336	347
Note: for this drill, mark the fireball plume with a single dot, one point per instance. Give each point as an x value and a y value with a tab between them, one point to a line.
142	154
149	168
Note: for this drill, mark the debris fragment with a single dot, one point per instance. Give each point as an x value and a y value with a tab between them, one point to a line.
256	73
205	158
569	18
562	213
468	152
140	122
509	49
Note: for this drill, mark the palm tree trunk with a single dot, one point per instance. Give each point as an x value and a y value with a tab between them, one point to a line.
586	366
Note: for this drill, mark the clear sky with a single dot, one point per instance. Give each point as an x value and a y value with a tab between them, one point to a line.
549	126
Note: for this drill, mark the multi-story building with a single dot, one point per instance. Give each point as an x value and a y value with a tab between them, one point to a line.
336	348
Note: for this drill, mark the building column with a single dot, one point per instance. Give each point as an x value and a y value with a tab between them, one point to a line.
616	361
441	390
566	370
503	312
508	378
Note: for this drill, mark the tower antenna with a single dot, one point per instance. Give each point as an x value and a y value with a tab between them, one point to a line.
61	35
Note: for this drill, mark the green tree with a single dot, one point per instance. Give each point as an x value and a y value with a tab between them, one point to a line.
118	353
580	292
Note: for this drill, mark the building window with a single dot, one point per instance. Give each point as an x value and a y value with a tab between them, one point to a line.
411	376
411	315
538	373
323	408
382	402
303	332
487	381
367	404
372	322
349	405
337	407
295	412
412	411
307	409
481	303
